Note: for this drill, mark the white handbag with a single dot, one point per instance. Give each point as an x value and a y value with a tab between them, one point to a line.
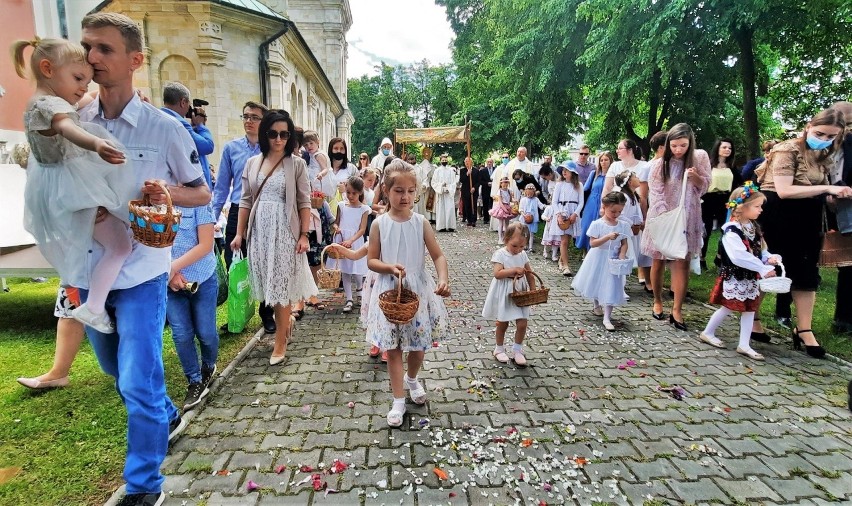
668	230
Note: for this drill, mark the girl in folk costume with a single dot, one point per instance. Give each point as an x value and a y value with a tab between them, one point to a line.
529	208
502	210
744	260
510	262
444	182
548	238
608	239
350	227
398	244
568	204
628	183
71	173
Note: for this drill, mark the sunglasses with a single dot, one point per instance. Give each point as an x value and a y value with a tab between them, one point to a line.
363	158
583	154
283	135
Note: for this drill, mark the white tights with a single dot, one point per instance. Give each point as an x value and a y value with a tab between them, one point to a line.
746	321
347	283
111	233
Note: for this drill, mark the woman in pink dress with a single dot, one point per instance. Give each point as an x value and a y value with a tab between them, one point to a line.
680	160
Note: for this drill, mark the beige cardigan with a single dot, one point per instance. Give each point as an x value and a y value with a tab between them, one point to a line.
296	190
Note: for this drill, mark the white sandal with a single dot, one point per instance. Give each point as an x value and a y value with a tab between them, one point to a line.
712	341
418	395
395	417
750	353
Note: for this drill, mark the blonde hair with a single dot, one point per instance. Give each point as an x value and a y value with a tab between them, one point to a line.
311	135
514	228
57	51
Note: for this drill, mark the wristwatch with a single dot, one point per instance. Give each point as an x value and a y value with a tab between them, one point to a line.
306	234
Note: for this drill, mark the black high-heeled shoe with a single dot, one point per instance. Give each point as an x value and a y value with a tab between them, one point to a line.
658	316
678	325
815	351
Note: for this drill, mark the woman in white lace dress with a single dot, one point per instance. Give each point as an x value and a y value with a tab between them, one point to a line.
275	211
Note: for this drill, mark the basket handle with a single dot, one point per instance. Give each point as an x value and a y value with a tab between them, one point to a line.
783	270
399	287
323	254
515	281
146	199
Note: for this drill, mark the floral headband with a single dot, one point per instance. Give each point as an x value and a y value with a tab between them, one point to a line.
749	188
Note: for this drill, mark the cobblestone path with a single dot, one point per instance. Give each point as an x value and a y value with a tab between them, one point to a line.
597	417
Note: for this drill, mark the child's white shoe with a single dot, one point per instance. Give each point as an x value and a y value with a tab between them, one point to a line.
100	322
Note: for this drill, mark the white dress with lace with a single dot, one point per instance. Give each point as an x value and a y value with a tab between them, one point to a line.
65	186
403	243
279	275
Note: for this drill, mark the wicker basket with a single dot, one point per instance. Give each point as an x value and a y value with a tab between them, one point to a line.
529	297
317	202
836	250
327	279
399	305
778	284
154	229
528	218
564	223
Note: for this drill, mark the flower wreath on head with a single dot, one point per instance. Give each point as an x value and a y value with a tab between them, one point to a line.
748	190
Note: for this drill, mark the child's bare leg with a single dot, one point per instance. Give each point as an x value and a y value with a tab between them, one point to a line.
520	330
111	233
563	250
500	334
415	362
395	371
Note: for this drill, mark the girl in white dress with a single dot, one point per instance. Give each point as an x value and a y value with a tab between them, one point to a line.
510	262
548	238
608	239
529	207
349	229
628	182
71	173
398	244
502	208
568	204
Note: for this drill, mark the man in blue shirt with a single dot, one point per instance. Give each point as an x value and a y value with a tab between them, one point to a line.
176	103
229	186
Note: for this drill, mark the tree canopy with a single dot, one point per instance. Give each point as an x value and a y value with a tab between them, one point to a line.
535	72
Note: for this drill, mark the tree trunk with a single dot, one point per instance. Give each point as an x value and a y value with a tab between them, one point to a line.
744	36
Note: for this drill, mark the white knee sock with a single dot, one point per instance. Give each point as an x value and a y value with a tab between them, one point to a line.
716	320
746	321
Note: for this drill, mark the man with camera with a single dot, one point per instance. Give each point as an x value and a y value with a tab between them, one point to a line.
177	104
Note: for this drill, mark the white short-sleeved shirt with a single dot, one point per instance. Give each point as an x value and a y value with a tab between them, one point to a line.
157	147
642	170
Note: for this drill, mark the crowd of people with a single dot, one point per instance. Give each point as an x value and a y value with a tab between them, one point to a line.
280	200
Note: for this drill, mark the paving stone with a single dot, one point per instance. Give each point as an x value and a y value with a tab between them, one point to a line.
782	441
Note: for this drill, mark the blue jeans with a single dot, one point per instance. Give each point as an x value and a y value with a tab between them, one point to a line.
134	357
193	315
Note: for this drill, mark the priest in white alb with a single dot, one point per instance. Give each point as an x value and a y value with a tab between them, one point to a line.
444	181
424	171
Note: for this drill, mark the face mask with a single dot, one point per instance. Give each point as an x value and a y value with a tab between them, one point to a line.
444	164
505	161
337	156
385	152
818	144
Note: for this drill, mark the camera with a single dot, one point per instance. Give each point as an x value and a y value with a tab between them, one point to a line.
196	103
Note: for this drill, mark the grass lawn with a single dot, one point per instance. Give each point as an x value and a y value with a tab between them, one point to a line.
69	443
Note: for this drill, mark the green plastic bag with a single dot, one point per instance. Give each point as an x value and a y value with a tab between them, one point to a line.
240	303
221	276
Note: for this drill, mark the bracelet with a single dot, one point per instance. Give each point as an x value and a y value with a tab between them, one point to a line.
306	234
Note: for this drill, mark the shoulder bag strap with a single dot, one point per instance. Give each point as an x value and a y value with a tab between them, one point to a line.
683	190
263	183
